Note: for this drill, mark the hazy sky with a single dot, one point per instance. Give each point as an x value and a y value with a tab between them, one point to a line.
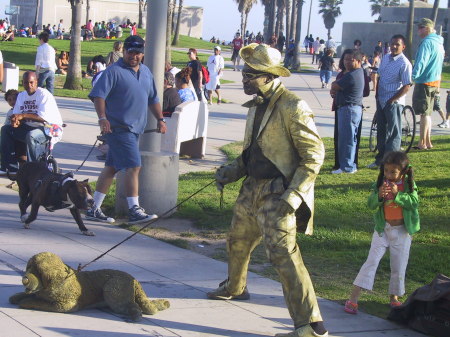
221	17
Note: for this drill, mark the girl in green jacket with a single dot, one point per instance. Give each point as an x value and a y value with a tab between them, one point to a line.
394	197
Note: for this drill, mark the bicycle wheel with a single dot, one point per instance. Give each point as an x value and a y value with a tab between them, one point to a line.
373	135
408	128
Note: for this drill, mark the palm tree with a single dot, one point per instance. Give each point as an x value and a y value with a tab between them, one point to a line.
36	15
142	4
73	79
244	7
177	28
409	31
88	9
279	26
288	19
435	11
377	4
330	10
170	11
298	34
295	5
269	18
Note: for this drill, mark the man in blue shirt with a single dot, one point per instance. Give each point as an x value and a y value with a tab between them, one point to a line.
121	97
394	81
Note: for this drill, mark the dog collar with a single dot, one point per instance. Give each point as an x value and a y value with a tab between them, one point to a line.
66	180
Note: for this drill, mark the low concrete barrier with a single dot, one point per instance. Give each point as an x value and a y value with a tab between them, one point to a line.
10	76
186	130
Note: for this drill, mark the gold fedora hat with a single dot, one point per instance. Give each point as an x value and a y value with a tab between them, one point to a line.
263	58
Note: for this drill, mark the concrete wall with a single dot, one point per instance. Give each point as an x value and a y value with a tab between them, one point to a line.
400	14
51	11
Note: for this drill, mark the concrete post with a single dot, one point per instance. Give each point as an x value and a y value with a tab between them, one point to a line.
158	179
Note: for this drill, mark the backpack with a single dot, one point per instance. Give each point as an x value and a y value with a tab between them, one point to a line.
205	73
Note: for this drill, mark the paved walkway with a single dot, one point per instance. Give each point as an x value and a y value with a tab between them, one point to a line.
165	271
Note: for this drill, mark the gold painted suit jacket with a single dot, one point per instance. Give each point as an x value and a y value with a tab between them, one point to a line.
288	137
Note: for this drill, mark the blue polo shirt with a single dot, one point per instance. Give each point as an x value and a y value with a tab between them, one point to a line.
127	94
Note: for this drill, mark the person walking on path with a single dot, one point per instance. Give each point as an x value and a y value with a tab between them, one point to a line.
426	76
445	118
45	63
121	98
326	66
349	93
277	193
196	72
237	44
394	81
394	197
215	65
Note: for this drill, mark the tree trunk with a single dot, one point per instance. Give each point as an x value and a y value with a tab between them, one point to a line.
245	20
36	15
177	29
288	26
298	34
141	12
174	5
295	5
434	13
272	17
266	22
170	11
73	79
409	31
88	8
242	24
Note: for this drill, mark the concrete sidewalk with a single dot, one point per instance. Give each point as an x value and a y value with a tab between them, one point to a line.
165	271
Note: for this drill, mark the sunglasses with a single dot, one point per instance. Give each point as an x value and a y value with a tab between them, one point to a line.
251	76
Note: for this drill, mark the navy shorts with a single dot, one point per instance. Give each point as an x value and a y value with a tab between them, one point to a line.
123	150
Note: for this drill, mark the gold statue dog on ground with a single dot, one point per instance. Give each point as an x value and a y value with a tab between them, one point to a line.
51	285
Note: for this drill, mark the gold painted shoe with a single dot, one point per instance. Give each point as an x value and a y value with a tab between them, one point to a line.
222	293
304	331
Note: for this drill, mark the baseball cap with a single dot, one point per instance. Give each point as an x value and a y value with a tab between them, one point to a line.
425	22
134	43
218	48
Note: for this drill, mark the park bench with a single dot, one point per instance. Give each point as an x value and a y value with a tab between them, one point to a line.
186	130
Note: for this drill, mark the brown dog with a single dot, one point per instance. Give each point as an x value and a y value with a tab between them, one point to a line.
40	187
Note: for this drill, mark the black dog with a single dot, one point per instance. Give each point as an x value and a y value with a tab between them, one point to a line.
40	187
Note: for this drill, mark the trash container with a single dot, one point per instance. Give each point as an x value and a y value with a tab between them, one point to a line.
10	76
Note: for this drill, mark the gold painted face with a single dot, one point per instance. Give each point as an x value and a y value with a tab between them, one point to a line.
253	80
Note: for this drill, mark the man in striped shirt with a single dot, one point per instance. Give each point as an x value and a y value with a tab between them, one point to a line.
394	81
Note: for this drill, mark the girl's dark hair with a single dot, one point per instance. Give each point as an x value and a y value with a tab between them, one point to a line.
184	75
11	92
400	159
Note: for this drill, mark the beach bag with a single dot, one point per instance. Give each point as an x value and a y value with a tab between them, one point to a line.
205	74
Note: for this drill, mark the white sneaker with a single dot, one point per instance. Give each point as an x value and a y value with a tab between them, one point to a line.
444	125
339	171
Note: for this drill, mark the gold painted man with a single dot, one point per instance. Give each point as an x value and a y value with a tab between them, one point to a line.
282	155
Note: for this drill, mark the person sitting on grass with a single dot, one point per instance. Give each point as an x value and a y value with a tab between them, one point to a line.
182	80
394	197
62	63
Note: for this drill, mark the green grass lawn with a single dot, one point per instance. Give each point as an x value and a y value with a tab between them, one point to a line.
22	52
344	225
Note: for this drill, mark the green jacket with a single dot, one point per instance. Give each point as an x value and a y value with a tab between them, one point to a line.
288	138
409	201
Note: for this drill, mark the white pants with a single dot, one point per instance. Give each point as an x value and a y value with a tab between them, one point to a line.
397	239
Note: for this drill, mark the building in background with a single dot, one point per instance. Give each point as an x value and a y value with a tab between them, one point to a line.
51	11
393	21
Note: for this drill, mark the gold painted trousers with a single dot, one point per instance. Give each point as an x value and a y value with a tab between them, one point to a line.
256	217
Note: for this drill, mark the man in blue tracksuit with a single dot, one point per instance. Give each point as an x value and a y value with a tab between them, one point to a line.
427	76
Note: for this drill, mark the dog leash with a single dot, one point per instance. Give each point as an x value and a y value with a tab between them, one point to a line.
92	148
81	267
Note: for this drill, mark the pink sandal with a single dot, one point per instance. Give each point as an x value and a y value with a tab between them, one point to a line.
395	304
351	308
